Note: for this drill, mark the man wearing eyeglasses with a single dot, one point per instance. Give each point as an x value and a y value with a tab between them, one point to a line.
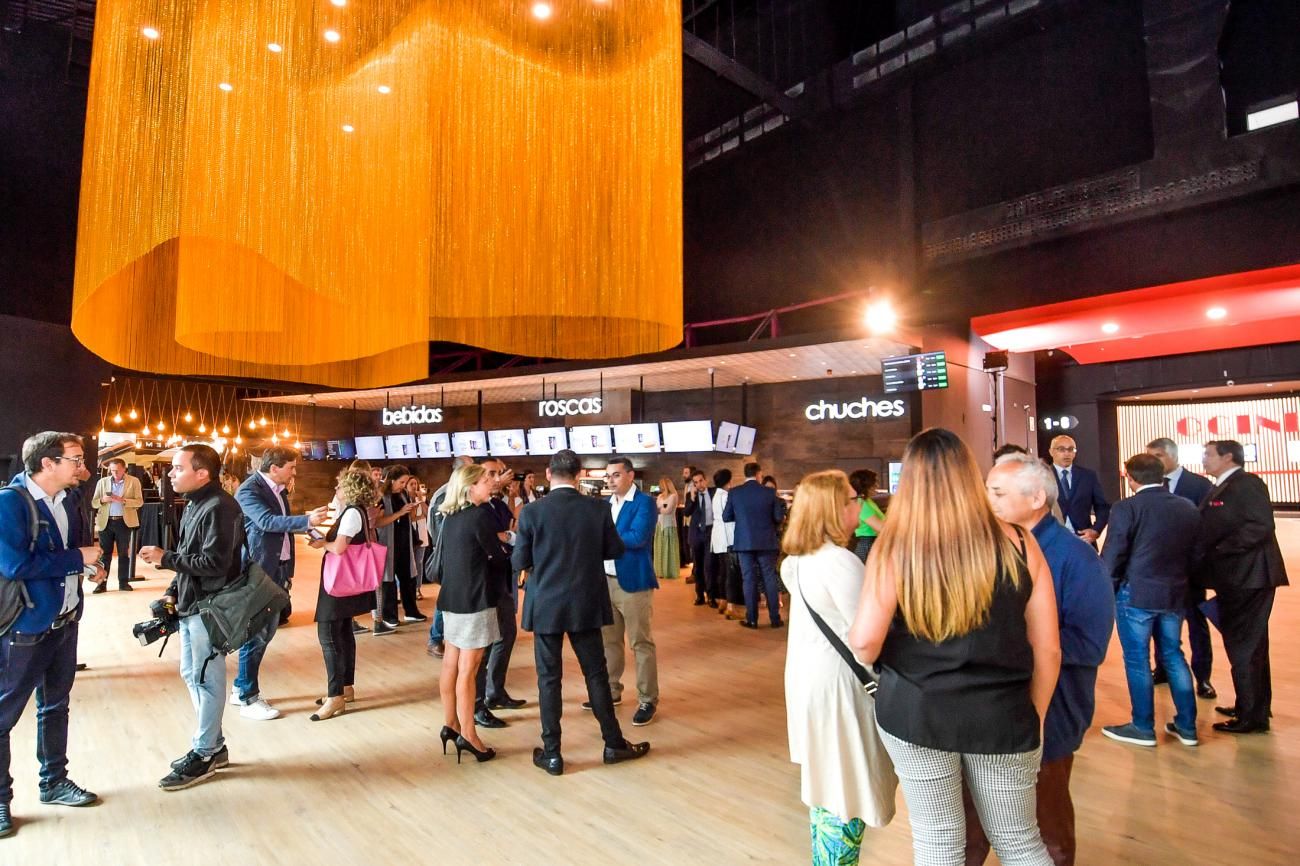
1083	505
38	646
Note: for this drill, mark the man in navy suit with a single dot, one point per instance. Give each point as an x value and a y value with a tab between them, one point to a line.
632	582
268	529
1193	488
699	521
1150	551
757	513
1082	503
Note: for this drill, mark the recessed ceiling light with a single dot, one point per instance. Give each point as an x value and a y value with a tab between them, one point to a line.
332	36
1268	385
1109	328
542	11
347	127
384	88
226	86
274	47
1216	313
150	32
339	3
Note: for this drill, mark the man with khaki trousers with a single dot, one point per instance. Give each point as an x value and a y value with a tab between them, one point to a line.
632	583
117	502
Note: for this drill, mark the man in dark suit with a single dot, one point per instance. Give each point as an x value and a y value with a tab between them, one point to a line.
757	512
1079	492
1193	488
562	543
1149	552
1242	563
699	529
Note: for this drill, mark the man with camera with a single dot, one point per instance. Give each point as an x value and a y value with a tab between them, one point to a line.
268	528
205	560
43	552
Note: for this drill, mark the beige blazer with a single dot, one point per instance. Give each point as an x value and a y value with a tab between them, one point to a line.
132	493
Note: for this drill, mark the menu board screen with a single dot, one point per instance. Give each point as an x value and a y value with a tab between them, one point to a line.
430	445
745	441
473	444
400	447
727	434
682	436
544	441
591	440
506	443
370	447
637	439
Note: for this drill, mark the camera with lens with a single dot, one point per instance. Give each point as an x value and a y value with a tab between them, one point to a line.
165	623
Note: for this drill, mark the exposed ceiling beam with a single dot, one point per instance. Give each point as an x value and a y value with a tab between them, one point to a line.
738	74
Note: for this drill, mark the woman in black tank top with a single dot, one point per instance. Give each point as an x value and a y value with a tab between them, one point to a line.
961	620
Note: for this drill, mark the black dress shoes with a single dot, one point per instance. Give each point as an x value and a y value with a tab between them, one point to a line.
553	764
485	719
744	623
1230	712
780	623
1239	726
1205	690
507	703
627	752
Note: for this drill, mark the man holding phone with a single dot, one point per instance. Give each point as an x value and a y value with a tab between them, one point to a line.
268	529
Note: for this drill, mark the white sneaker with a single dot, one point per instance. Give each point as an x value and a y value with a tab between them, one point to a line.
259	710
234	698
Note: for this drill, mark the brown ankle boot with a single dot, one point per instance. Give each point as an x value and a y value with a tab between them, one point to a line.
332	707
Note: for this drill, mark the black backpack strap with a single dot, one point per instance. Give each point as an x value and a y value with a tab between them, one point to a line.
859	670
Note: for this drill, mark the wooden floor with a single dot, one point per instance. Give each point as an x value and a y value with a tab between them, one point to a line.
717	788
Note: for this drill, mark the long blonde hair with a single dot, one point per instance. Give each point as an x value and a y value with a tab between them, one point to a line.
942	545
666	486
815	514
462	479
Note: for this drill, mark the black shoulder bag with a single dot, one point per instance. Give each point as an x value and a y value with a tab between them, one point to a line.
859	669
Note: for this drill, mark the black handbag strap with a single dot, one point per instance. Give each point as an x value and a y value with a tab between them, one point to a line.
860	671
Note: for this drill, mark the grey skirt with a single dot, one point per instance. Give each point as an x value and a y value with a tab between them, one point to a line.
471	630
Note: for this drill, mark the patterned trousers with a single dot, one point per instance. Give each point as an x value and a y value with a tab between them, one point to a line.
835	842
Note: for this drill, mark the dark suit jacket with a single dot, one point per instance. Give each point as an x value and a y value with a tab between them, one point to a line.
1192	487
563	541
1085	499
757	512
1238	537
699	517
1151	546
475	565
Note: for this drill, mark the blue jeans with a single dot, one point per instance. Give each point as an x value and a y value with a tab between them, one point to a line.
756	565
209	696
252	653
45	664
1136	628
435	628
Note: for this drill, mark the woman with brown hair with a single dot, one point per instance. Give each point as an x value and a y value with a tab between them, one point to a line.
667	546
959	611
870	518
847	780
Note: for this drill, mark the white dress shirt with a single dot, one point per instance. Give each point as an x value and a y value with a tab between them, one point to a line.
616	506
1173	477
55	504
1224	477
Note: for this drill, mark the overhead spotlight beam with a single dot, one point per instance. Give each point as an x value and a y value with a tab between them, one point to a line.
738	74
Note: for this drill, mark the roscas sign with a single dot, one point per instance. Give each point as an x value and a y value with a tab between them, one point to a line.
411	415
585	406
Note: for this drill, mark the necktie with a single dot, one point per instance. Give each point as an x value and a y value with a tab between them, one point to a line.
1065	483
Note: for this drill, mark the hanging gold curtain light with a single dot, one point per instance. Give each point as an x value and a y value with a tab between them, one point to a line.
303	191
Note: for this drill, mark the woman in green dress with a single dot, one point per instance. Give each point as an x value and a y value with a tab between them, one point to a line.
870	518
668	556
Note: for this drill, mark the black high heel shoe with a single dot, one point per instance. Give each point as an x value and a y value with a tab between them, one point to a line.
463	745
447	733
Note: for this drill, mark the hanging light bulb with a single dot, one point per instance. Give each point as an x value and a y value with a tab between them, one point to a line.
133	415
117	419
102	431
234	450
203	428
275	440
285	434
188	417
262	421
239	440
252	425
160	425
225	428
297	445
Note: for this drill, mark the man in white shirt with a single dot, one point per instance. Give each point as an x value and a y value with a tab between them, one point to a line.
117	500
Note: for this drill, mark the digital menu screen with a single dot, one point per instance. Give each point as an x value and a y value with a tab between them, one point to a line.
433	445
727	434
507	443
313	450
682	436
401	447
637	439
370	447
915	372
473	444
340	449
595	439
745	441
544	441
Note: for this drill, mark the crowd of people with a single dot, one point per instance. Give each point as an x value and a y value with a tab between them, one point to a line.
948	645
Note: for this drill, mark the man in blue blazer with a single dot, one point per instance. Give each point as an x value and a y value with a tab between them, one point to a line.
1193	488
1150	552
268	529
1079	492
757	512
38	649
632	583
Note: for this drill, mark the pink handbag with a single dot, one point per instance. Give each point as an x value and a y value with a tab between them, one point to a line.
358	569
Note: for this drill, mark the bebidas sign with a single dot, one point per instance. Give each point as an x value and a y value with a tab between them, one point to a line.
411	415
556	408
857	410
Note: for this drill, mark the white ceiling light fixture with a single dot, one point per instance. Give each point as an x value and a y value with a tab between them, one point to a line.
384	88
1110	328
1216	313
542	11
1273	115
332	36
150	32
880	317
226	86
274	47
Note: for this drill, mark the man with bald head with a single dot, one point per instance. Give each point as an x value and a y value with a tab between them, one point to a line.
1079	492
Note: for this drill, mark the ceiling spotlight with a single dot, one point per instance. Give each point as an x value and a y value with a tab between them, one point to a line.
1216	313
226	86
880	317
542	11
384	88
1110	328
274	47
149	32
347	127
332	36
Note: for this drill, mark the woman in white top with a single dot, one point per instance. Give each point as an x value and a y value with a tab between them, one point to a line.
721	540
847	779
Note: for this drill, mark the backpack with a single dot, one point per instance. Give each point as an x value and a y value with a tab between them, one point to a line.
245	607
13	593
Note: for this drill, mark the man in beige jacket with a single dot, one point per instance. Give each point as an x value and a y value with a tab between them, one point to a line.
117	502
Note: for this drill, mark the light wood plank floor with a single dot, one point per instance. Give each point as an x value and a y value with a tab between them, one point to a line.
717	788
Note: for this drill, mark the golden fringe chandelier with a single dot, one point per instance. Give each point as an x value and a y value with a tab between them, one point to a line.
313	190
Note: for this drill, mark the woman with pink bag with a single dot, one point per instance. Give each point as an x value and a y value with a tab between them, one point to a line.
352	567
